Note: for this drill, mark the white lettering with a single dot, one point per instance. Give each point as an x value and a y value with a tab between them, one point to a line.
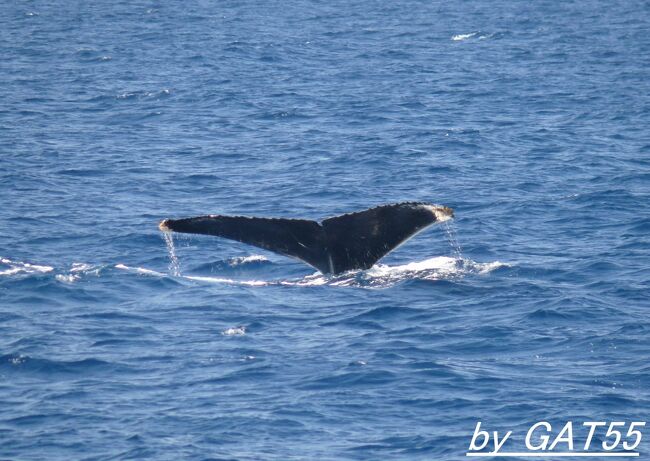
617	435
637	435
568	438
497	445
479	433
592	425
543	438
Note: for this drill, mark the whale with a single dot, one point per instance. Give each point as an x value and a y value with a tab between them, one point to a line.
334	245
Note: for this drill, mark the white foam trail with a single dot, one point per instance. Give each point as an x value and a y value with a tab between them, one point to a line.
459	37
77	271
252	283
247	259
197	278
82	267
313	280
438	263
12	271
17	267
384	276
489	267
140	270
379	276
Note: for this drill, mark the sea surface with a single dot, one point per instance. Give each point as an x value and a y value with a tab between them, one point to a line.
530	119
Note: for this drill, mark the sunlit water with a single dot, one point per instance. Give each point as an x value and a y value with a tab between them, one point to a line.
529	119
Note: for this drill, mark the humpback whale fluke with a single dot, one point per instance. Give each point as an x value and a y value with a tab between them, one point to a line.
350	241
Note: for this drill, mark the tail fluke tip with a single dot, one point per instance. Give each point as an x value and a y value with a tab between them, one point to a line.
442	213
163	225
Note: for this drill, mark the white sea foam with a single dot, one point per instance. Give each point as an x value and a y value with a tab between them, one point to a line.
489	267
197	278
19	267
247	260
234	331
67	278
19	359
253	283
379	276
384	276
444	263
140	270
78	271
82	267
11	271
459	37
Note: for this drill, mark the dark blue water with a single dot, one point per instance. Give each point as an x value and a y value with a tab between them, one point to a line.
531	120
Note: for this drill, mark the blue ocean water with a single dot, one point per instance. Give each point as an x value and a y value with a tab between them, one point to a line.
530	119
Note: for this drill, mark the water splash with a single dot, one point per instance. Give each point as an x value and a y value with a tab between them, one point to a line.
384	276
174	265
379	276
234	331
452	238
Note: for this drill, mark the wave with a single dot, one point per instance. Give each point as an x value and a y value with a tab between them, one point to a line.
17	362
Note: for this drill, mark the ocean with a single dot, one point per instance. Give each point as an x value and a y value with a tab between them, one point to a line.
530	119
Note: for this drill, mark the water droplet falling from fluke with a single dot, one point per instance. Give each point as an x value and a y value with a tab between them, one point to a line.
174	265
452	238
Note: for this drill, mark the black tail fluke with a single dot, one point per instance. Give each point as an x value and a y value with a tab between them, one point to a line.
297	238
346	242
359	240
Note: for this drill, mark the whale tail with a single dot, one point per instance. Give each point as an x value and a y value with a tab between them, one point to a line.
350	241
